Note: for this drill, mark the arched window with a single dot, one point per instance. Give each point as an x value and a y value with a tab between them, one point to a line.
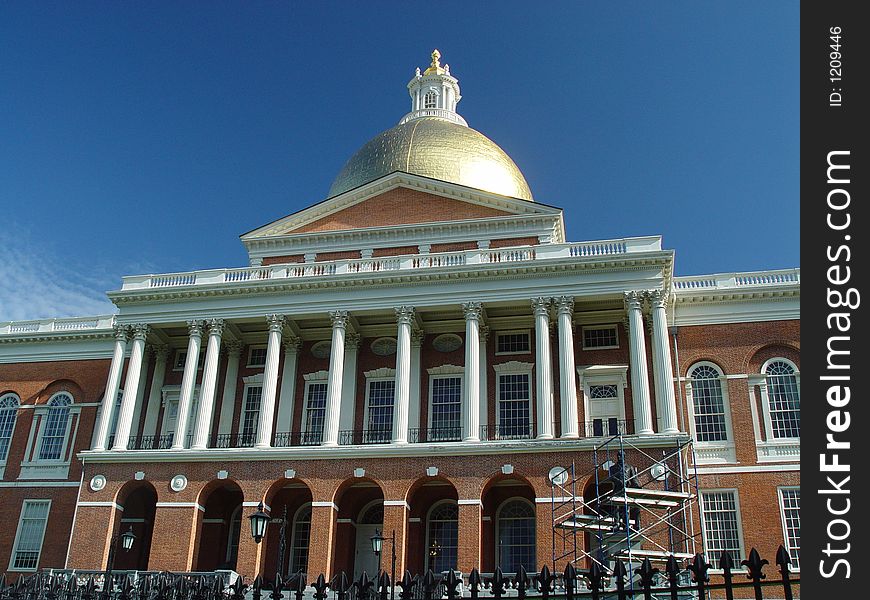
708	404
8	413
515	530
442	537
233	534
784	399
56	423
430	100
300	541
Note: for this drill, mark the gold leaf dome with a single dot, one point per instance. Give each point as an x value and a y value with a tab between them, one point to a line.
437	148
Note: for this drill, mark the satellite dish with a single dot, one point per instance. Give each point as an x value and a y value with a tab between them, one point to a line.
558	475
659	472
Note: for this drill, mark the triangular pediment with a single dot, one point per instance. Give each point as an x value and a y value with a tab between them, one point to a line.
395	200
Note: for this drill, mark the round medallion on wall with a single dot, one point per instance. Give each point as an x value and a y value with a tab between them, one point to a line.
321	349
384	346
447	342
98	482
178	483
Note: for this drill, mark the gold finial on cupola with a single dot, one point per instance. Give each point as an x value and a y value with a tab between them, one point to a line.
435	67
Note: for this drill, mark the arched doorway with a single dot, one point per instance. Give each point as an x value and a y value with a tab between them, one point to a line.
139	499
290	504
360	513
218	540
433	526
510	525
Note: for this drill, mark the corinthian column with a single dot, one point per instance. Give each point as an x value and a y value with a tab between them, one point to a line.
209	384
666	399
270	382
155	394
471	404
336	370
131	387
288	384
112	386
188	383
404	316
637	355
543	361
567	375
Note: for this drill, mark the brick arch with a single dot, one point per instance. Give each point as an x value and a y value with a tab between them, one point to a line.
423	481
424	494
61	385
276	486
344	486
704	358
139	500
222	501
777	349
215	484
498	489
495	477
285	497
351	497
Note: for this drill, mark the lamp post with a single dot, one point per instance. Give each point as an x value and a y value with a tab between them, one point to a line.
259	521
127	538
377	546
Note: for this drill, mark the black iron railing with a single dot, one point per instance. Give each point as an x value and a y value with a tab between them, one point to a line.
298	438
606	427
615	581
508	431
349	437
435	434
235	440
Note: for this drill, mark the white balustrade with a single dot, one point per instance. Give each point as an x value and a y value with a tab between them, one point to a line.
724	281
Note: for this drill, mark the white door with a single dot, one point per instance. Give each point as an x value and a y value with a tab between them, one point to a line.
604	410
364	558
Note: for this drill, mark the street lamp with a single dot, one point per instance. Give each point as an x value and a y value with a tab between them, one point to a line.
127	538
259	520
377	545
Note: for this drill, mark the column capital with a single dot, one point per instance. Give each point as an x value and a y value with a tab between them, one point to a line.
339	318
417	337
541	306
121	332
483	333
352	341
275	323
292	344
234	347
139	331
195	327
216	326
658	298
565	305
404	314
161	352
633	300
472	310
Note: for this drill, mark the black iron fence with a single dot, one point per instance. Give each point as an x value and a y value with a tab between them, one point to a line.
624	581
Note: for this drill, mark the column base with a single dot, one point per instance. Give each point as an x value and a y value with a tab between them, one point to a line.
329	444
262	445
544	436
570	436
471	438
399	442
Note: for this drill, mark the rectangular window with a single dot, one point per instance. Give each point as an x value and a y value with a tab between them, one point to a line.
181	358
790	505
603	410
514	406
54	433
28	539
251	415
446	405
382	395
600	337
721	526
257	357
513	342
315	413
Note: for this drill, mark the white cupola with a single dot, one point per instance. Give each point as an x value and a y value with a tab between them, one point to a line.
434	93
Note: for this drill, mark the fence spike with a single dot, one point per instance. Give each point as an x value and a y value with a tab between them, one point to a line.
783	560
258	588
428	585
647	575
726	563
545	581
299	585
407	585
474	582
498	583
384	585
343	585
453	582
521	582
596	580
569	580
755	564
619	575
673	571
277	586
237	590
699	568
320	587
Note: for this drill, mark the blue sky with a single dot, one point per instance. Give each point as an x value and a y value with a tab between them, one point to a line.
145	137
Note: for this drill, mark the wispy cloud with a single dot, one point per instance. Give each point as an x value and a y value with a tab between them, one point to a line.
36	283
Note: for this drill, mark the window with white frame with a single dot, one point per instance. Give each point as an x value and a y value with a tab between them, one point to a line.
515	527
513	342
54	431
379	420
722	534
430	100
314	414
250	414
257	356
233	534
30	534
604	399
445	402
9	404
442	532
783	399
299	543
790	509
604	409
708	403
600	337
514	405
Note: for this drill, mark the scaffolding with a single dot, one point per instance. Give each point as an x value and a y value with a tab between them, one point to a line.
636	503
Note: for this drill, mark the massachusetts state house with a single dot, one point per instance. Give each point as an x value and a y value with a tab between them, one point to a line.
423	356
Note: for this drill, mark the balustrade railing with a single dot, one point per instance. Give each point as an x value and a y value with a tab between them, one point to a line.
351	437
434	434
235	440
606	427
298	438
724	281
507	431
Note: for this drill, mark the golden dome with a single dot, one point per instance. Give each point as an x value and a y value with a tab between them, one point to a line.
436	148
